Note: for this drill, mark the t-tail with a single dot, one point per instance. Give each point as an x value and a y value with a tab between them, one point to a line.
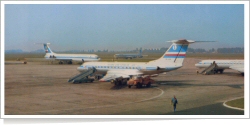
140	51
177	51
47	49
175	54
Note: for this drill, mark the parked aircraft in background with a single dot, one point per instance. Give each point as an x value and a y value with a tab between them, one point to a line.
129	56
68	58
171	60
223	64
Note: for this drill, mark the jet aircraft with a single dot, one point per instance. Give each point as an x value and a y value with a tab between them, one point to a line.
223	64
129	56
171	60
68	58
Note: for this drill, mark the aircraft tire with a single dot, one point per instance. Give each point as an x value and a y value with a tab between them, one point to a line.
140	85
149	84
137	85
70	62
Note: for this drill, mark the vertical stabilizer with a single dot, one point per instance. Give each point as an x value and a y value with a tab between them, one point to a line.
175	54
47	49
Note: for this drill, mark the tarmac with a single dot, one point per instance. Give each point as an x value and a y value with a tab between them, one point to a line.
42	89
213	109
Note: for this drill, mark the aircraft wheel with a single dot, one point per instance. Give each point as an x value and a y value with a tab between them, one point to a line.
115	83
149	84
70	62
138	85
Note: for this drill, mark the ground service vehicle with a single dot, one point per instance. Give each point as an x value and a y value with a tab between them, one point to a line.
119	81
140	81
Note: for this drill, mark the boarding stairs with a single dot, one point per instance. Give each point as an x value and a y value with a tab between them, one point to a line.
82	76
210	69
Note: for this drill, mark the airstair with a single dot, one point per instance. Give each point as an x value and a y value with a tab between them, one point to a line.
83	76
210	69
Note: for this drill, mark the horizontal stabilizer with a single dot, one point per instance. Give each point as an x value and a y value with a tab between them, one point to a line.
204	41
184	41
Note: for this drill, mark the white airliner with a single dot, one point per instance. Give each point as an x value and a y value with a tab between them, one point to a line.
171	60
129	56
223	64
68	57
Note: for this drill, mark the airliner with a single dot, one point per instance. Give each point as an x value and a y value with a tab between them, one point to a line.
129	56
68	58
171	60
223	64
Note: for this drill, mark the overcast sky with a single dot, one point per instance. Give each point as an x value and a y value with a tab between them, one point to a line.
122	27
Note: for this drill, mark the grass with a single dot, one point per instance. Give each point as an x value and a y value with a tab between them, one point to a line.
215	56
21	56
108	56
239	103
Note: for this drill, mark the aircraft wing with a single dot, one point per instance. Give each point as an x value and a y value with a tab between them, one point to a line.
113	74
239	68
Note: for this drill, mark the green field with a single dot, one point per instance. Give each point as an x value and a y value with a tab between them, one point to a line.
239	103
108	56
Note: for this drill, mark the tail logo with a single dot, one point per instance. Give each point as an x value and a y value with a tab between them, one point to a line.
174	47
176	51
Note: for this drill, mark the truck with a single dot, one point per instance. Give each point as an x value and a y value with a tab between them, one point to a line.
119	81
140	81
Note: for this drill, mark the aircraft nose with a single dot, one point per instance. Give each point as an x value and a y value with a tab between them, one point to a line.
197	64
80	68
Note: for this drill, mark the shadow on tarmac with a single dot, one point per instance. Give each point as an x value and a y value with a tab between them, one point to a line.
117	87
184	83
214	109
